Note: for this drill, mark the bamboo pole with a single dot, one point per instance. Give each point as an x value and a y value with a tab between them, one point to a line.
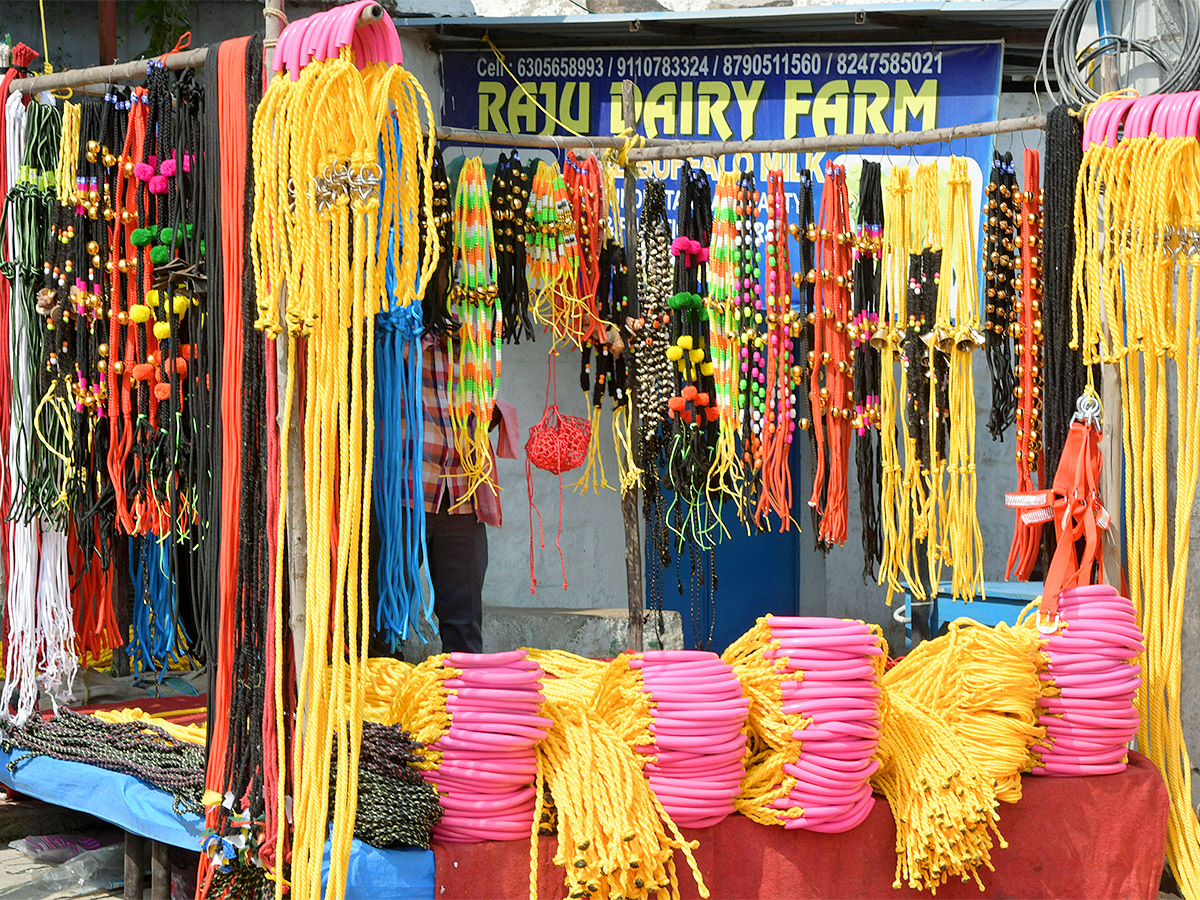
689	149
629	499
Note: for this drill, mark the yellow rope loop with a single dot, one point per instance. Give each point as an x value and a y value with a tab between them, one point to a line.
630	140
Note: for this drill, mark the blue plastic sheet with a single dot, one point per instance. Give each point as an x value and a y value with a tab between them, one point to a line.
135	806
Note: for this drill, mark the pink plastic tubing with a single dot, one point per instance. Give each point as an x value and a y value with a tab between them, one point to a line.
1102	631
826	668
1068	666
673	702
836	826
1105	705
679	655
690	666
472	768
480	804
1075	769
824	704
500	677
820	623
501	692
849	750
832	691
500	717
1083	642
700	694
821	649
1115	679
698	743
832	769
676	788
811	792
666	757
477	660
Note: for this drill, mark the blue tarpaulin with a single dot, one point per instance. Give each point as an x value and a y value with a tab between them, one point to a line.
135	806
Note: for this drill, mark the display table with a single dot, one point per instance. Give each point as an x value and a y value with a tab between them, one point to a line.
1101	837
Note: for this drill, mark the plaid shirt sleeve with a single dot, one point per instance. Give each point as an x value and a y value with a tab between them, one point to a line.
443	477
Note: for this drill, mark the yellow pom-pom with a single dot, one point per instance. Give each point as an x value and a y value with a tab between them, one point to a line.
696	355
180	303
685	341
152	298
674	353
706	369
139	313
162	330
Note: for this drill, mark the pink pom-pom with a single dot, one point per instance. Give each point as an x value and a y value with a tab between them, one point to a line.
167	168
694	246
153	161
703	255
143	171
187	162
158	184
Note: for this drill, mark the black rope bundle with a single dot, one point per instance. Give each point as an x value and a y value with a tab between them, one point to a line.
867	284
1065	375
396	806
917	353
140	749
510	215
999	261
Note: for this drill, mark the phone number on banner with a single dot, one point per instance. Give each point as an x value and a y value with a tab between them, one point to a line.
728	64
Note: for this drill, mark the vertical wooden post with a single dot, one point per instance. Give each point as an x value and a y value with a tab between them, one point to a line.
297	554
160	871
135	853
1110	396
106	23
629	500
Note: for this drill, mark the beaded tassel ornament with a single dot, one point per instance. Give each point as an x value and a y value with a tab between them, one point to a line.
510	221
473	300
751	387
553	267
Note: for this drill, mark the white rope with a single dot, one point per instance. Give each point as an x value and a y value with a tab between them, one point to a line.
55	628
21	660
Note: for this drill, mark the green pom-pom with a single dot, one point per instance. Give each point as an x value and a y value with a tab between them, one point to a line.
166	235
203	252
159	255
189	229
141	237
703	314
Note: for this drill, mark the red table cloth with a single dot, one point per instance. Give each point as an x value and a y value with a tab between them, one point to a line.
1101	837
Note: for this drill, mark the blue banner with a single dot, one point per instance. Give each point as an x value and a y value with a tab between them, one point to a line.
736	93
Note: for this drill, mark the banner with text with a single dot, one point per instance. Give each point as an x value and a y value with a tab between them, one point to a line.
742	93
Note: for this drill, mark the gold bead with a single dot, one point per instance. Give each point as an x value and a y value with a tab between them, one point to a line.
118	368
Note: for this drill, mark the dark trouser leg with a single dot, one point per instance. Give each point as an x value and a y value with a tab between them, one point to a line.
458	558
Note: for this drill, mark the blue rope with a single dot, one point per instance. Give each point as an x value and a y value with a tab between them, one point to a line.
399	500
155	643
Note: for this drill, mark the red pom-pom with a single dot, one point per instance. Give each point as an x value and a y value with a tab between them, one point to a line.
167	168
712	413
162	390
142	371
181	367
142	171
677	403
686	415
702	399
158	184
689	392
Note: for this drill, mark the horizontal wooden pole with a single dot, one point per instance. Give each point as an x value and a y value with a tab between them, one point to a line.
130	71
689	149
136	70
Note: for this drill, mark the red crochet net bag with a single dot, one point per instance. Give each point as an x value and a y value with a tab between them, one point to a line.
557	443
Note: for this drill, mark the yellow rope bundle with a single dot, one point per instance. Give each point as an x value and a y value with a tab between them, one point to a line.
944	806
959	335
771	745
320	221
896	565
614	837
1139	266
984	684
192	734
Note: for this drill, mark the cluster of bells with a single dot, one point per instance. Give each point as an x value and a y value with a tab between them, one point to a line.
508	202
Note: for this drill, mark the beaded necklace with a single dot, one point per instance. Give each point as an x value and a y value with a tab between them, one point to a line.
863	330
747	258
831	382
775	362
724	324
648	341
589	215
999	263
1027	331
